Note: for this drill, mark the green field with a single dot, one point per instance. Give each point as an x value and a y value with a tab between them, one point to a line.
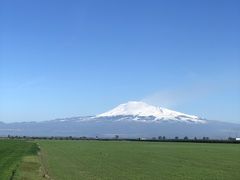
120	160
73	160
12	154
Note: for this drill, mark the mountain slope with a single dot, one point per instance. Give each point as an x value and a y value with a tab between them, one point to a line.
129	120
141	109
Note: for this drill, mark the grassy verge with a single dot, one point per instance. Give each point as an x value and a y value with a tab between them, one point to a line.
19	160
11	153
29	169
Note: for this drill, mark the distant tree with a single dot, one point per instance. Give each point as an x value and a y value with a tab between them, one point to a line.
205	138
195	138
163	137
116	136
185	138
176	137
153	138
159	137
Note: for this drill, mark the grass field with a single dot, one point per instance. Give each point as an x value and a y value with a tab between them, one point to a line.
12	154
73	160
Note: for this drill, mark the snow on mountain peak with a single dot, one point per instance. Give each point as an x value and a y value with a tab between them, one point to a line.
142	109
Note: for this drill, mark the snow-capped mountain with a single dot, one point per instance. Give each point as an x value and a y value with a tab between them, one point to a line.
129	120
143	110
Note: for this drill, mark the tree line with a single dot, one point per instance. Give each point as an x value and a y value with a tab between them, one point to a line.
118	138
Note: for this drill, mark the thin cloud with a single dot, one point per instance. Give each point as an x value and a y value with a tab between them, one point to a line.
174	98
186	94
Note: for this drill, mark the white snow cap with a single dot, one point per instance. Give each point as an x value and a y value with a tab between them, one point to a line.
136	108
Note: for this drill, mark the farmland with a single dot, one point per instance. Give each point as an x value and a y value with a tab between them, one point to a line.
12	158
140	160
83	159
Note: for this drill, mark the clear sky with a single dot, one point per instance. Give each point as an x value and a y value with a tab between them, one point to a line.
64	58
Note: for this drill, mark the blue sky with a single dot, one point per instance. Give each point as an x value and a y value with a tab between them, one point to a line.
69	58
